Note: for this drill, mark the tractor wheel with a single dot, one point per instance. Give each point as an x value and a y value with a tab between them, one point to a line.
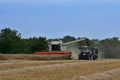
79	57
88	57
91	57
95	57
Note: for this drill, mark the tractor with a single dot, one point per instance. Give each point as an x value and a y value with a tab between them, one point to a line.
88	53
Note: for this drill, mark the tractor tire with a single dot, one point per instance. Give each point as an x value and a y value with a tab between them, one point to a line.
95	57
88	57
91	57
79	57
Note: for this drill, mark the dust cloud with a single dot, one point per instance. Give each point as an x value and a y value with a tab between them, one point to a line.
74	48
109	52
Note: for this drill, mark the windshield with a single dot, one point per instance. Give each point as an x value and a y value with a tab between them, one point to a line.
56	48
85	50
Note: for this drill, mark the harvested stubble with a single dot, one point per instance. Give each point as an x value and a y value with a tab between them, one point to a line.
115	77
59	71
17	64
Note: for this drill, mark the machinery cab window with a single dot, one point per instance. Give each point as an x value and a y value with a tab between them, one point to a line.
56	47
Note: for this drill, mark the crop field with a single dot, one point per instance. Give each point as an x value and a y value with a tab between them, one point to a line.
106	69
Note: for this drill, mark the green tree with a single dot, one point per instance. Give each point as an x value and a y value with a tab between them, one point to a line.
34	44
38	44
68	38
9	40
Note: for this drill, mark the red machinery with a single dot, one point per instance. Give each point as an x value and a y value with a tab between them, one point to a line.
53	52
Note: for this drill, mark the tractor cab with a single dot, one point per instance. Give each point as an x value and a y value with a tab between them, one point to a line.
85	49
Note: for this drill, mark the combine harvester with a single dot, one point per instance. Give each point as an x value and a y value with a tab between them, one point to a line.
85	52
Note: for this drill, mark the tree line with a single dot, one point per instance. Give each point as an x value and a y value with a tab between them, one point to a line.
11	42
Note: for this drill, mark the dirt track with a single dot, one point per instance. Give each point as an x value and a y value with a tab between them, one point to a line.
59	70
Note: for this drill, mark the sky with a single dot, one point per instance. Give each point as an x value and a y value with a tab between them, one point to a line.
95	19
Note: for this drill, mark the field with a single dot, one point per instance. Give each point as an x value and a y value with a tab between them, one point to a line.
60	70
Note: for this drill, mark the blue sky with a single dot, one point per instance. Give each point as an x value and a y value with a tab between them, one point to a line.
95	19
